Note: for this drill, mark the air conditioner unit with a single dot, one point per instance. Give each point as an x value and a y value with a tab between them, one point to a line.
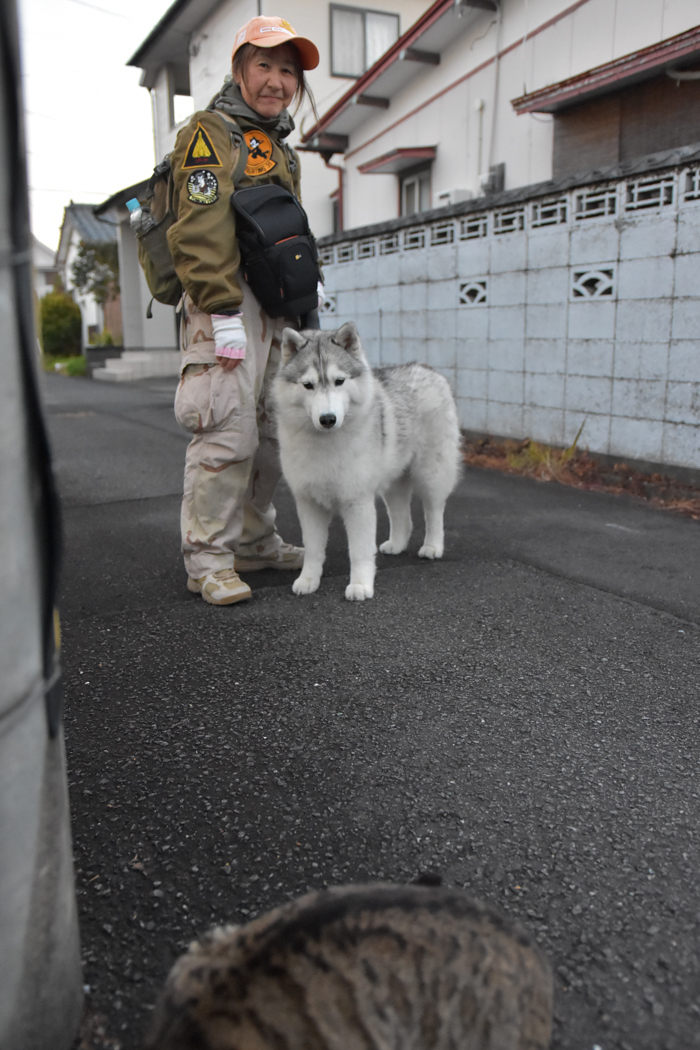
445	197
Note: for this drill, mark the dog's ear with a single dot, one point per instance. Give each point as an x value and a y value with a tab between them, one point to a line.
291	342
347	336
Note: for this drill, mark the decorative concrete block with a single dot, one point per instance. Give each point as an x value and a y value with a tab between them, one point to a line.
545	355
442	262
473	256
636	438
506	386
590	357
472	383
641	360
591	320
686	319
414	296
507	289
441	353
441	323
639	398
548	285
688	275
544	424
683	403
471	323
681	445
648	235
588	394
507	322
414	325
595	435
544	390
472	413
508	355
442	295
684	360
650	278
472	353
413	266
504	419
593	242
546	321
547	249
639	321
508	252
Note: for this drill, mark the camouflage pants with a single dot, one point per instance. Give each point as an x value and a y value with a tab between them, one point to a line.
232	461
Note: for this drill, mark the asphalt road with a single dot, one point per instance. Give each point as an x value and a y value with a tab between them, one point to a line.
521	717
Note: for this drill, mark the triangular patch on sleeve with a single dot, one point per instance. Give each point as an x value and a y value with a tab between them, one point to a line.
200	152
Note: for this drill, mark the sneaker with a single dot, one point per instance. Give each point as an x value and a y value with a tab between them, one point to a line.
285	556
220	588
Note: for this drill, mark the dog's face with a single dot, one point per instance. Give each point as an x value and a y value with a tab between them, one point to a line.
323	373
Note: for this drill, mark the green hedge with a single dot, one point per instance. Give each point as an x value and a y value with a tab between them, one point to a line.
60	325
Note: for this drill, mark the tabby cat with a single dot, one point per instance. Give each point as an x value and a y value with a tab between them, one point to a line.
378	967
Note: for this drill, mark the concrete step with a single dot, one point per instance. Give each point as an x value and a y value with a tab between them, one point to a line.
139	364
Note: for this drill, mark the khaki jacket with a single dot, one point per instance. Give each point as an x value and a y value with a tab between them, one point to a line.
203	238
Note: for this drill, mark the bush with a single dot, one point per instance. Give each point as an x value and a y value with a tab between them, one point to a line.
60	325
65	366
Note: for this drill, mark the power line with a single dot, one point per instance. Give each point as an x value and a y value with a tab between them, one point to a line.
83	3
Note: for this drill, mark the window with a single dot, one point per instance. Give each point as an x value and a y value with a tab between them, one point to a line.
358	38
415	191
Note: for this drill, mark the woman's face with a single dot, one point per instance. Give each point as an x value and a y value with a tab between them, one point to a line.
270	80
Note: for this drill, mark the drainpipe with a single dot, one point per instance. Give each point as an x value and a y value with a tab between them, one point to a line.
340	170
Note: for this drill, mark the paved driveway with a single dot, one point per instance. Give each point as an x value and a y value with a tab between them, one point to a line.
521	717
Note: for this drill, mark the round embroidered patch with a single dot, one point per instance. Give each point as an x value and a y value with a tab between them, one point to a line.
202	187
259	153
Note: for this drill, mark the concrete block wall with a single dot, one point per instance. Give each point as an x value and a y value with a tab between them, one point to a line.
584	308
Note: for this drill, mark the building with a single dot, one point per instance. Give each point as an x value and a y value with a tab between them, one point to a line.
81	225
521	196
44	266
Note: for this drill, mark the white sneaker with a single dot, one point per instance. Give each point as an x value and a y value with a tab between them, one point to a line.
220	588
286	556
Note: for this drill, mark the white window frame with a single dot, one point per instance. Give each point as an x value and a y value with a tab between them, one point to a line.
416	176
364	11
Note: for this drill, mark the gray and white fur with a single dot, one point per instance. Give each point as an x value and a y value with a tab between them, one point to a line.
348	434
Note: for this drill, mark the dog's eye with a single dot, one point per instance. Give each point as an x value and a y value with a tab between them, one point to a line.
308	386
339	382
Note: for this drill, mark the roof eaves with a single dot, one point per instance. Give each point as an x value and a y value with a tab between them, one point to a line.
139	56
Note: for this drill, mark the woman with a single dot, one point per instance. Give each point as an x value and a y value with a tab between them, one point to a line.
230	345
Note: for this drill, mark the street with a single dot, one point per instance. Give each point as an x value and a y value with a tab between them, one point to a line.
521	717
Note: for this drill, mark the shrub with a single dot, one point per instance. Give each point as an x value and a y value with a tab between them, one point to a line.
60	325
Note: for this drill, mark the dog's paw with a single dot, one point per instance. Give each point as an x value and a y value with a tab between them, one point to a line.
357	592
429	551
392	547
306	584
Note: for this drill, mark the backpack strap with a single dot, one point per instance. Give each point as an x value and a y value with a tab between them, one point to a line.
239	143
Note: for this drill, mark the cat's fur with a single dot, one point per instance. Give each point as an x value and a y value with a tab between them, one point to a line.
376	967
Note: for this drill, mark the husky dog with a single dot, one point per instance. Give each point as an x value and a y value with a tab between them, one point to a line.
348	434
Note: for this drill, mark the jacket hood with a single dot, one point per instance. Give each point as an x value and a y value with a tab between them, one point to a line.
229	100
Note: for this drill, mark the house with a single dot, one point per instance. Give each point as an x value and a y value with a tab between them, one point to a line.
44	266
521	197
81	225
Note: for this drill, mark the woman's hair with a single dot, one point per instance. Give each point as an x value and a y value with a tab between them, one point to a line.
303	93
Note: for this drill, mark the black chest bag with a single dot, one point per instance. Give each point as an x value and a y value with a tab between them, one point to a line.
278	251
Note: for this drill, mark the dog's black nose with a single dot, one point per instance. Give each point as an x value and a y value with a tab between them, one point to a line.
327	421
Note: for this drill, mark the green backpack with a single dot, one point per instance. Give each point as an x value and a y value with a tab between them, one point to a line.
158	215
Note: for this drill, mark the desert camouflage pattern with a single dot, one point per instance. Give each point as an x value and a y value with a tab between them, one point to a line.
232	461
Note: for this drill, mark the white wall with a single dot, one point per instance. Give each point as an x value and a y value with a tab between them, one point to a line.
529	357
141	332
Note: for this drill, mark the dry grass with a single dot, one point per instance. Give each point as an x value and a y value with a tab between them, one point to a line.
580	470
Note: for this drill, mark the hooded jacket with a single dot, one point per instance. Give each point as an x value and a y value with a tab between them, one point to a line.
203	237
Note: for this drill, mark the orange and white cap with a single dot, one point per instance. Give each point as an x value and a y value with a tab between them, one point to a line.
265	31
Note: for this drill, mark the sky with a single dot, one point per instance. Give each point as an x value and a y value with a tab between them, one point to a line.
88	123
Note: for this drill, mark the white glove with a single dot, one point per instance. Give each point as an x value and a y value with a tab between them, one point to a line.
229	335
320	291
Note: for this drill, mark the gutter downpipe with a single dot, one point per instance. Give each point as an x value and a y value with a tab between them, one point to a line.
341	207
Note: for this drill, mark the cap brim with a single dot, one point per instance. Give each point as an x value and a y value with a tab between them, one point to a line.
308	52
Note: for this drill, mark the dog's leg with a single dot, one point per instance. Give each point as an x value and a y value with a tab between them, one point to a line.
314	527
361	526
398	503
434	542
